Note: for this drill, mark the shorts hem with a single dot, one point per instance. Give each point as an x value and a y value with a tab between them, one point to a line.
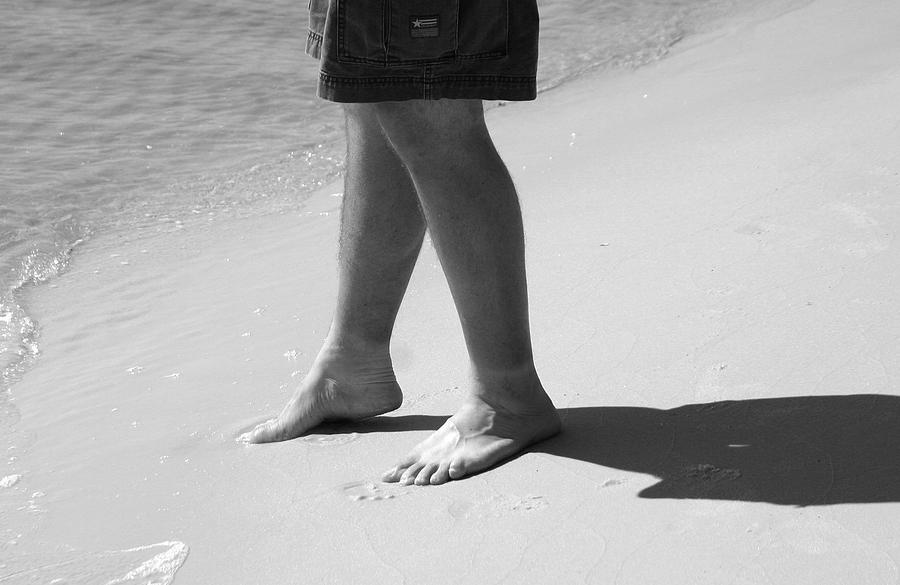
422	87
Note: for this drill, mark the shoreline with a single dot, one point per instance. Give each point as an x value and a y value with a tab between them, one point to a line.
710	245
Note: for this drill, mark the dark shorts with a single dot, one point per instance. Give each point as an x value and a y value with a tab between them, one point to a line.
391	50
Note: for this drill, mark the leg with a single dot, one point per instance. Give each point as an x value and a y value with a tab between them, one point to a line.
473	215
382	229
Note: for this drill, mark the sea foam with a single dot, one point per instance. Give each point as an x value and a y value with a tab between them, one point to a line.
152	564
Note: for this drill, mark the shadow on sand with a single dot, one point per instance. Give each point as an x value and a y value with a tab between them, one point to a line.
801	451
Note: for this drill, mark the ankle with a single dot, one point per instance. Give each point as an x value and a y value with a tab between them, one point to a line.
513	388
521	373
342	343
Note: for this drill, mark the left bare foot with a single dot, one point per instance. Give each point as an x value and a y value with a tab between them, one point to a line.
343	384
489	427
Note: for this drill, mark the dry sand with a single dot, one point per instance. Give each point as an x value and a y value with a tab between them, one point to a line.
713	274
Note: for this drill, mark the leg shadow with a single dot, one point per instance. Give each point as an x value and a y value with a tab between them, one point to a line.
802	451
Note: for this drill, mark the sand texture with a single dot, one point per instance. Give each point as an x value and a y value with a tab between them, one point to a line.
714	277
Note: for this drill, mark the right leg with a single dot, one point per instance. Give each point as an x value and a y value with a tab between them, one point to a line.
382	229
473	215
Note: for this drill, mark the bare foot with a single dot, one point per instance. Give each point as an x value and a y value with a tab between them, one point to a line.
342	384
488	428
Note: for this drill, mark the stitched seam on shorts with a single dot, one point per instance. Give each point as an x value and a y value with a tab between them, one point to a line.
420	62
470	77
386	27
382	81
387	81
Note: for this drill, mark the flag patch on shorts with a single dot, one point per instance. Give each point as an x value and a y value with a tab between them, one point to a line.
423	26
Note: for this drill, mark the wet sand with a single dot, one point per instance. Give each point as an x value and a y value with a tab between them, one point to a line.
713	273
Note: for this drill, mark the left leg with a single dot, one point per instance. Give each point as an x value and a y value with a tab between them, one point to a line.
382	230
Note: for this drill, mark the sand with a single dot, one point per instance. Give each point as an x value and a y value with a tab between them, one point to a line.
713	273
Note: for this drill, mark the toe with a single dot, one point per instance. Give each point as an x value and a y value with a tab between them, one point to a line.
290	424
442	475
411	472
424	476
267	432
457	469
393	474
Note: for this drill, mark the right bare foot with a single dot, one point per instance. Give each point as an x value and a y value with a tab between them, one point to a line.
503	416
342	384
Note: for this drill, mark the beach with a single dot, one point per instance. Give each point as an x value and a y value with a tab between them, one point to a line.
712	272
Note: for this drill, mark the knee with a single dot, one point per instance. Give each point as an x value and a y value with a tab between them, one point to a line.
425	132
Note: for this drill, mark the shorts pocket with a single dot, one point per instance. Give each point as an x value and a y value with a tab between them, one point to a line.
417	32
483	29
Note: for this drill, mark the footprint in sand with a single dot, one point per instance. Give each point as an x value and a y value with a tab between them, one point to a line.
369	491
330	440
709	472
496	506
529	503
